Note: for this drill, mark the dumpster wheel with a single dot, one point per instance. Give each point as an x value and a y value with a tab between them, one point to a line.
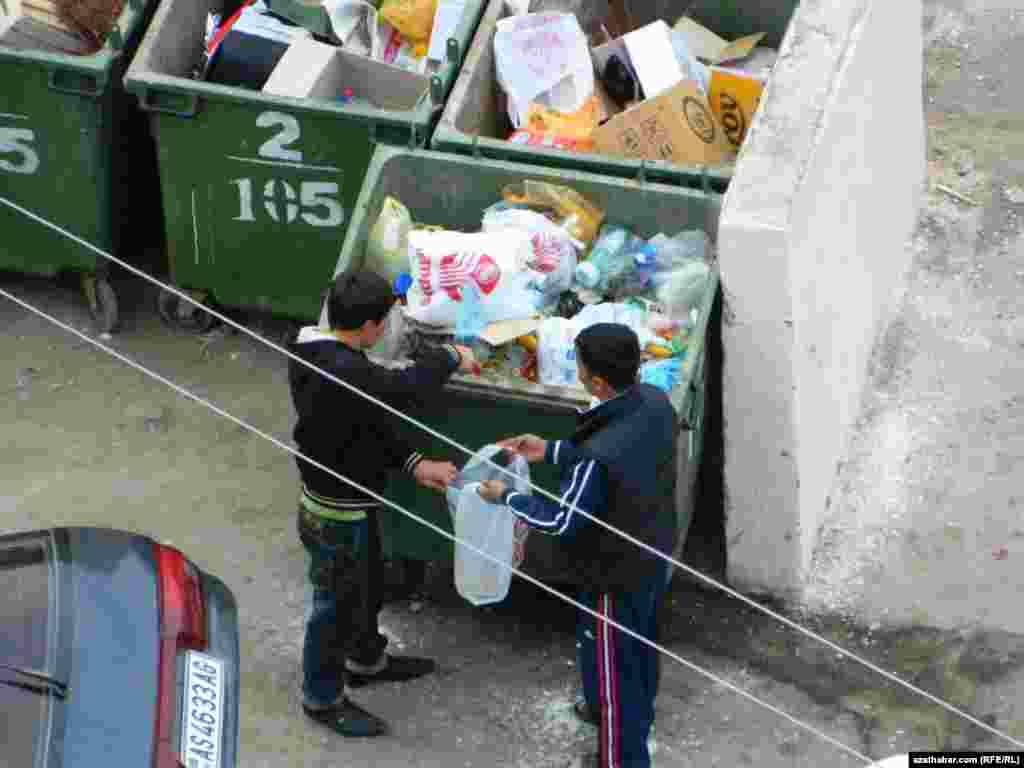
102	302
184	315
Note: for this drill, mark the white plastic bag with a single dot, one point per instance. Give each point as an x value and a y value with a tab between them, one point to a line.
556	353
630	315
491	528
441	263
554	255
543	58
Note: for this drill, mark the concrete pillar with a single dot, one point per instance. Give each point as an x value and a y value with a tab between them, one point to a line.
812	245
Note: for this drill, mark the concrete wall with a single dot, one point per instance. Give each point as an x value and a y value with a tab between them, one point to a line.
812	248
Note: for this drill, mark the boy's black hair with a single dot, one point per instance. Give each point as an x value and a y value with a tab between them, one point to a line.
358	296
611	351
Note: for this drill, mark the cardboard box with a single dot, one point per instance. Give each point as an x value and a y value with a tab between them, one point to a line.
310	69
678	126
734	98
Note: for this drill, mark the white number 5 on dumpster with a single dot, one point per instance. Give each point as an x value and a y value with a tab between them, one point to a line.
18	142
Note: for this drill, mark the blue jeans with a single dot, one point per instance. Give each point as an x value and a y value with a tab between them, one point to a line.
345	574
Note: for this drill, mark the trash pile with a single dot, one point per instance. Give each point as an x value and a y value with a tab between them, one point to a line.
73	27
676	93
380	53
544	265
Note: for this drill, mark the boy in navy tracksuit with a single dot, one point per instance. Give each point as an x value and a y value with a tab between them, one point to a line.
619	467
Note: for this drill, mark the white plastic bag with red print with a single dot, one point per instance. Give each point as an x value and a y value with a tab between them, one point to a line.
554	255
498	263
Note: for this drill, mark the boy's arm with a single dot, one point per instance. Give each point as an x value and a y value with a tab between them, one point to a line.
583	489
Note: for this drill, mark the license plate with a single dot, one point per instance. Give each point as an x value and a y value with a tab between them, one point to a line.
202	711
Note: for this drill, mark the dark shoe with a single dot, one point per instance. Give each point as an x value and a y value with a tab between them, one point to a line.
348	719
586	761
397	670
584	713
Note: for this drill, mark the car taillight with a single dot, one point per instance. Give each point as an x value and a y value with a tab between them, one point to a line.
182	626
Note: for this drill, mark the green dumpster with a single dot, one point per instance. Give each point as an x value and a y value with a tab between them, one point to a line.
473	123
474	413
75	152
257	189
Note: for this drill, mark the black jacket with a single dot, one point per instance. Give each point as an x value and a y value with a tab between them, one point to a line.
344	431
634	439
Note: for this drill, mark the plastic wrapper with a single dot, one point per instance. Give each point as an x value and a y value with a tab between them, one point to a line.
387	249
578	215
414	19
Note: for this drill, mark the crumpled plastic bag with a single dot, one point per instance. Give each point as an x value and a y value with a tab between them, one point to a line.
387	249
414	19
683	287
580	217
543	58
554	255
441	263
492	529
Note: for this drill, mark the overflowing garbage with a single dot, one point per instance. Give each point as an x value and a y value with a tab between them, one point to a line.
669	90
380	53
73	27
545	264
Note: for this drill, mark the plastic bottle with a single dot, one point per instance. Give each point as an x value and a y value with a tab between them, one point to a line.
640	279
608	258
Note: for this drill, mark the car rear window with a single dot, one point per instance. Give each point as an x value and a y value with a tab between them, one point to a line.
24	627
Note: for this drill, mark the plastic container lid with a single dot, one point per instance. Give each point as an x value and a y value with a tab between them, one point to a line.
645	256
402	284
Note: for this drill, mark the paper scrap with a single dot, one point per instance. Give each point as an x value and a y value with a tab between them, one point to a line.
446	22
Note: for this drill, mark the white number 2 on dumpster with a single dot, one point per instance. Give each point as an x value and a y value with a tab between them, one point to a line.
18	142
315	202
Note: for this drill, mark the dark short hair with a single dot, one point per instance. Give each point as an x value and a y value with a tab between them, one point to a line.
358	296
611	351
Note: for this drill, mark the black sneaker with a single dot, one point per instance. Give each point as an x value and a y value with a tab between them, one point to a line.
398	669
347	719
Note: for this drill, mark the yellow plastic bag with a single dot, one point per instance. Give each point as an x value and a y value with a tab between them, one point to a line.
414	19
578	215
577	126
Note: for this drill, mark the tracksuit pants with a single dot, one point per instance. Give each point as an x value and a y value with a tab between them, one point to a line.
621	674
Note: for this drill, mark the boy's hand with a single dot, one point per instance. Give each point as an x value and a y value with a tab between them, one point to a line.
492	490
469	363
436	475
530	447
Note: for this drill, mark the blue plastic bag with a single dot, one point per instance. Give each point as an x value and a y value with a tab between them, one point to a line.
662	374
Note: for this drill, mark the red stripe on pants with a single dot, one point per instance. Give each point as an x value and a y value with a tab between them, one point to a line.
607	688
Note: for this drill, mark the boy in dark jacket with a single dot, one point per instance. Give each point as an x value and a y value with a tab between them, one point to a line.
338	524
619	467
